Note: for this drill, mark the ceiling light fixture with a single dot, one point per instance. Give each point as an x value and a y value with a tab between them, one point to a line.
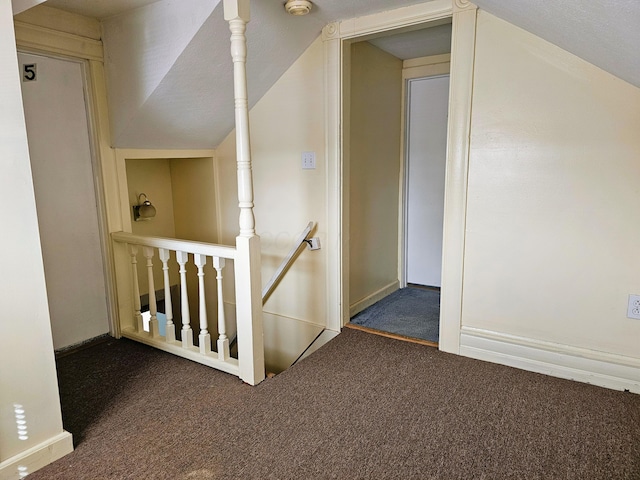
298	7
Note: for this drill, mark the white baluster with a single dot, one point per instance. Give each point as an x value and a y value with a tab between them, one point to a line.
133	252
170	329
205	337
153	304
223	341
186	333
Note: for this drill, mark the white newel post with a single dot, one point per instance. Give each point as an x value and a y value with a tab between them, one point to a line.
247	263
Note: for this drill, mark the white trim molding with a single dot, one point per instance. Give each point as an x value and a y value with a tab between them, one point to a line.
37	457
394	19
336	294
463	45
564	361
462	5
52	41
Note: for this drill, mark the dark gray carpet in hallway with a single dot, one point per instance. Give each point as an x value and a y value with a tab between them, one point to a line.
361	407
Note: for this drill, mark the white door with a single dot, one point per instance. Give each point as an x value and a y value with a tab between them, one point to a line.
59	146
427	107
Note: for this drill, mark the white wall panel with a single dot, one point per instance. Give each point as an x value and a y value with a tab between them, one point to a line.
552	228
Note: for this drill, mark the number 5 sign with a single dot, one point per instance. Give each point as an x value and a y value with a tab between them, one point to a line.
29	72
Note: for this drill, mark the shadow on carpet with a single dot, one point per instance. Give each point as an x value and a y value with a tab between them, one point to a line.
412	312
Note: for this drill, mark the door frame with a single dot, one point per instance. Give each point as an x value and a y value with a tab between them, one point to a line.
425	67
337	36
89	53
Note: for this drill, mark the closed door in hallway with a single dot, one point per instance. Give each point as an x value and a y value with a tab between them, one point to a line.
58	131
427	107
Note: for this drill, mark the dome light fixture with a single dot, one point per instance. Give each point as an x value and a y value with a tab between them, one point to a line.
298	7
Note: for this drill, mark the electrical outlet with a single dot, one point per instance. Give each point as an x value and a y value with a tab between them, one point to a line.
308	160
314	243
633	309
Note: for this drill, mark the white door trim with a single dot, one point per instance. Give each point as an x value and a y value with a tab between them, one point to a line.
336	36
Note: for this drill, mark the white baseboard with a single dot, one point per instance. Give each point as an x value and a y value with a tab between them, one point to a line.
35	458
583	365
369	300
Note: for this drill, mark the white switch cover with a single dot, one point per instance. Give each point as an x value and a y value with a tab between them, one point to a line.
308	160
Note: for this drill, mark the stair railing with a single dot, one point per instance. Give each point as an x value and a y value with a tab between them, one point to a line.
179	339
287	262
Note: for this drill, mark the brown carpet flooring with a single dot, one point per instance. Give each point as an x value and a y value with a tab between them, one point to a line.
361	407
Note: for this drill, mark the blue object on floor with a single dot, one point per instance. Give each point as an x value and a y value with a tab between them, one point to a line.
412	312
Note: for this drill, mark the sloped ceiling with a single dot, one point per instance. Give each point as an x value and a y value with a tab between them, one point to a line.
192	105
603	32
416	43
99	9
169	69
18	6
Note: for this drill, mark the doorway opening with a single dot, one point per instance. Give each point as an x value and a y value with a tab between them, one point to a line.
395	117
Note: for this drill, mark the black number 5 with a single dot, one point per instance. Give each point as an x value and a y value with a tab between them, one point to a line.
29	72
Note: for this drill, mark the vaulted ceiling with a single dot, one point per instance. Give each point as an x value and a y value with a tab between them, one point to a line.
603	32
169	69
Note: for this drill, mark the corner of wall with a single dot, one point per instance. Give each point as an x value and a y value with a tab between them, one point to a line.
37	457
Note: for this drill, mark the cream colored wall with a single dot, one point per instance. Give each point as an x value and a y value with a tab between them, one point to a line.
194	199
25	333
552	238
374	170
287	121
153	178
195	212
